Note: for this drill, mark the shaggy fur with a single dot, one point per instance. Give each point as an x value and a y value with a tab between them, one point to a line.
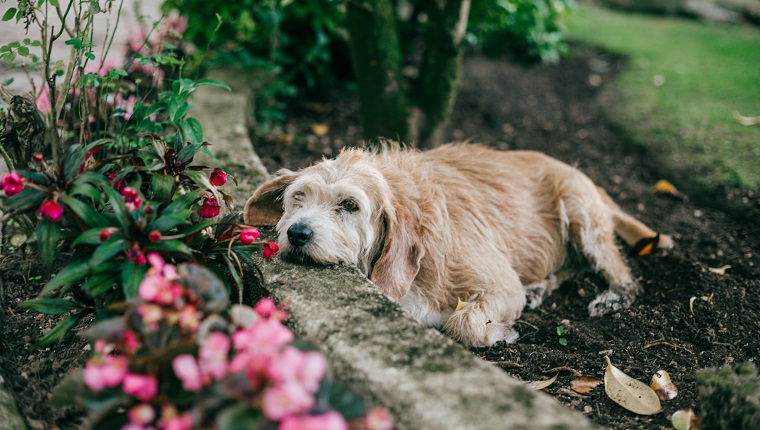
497	230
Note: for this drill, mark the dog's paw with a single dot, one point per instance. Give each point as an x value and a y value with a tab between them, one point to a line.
471	327
609	302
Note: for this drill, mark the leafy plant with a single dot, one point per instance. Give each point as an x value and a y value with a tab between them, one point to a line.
562	332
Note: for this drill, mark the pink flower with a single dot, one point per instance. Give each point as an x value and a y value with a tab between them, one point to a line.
135	255
182	422
51	209
270	249
151	314
248	235
141	414
218	177
286	399
131	198
311	370
158	266
186	369
144	387
151	286
378	419
127	105
213	355
12	184
267	309
189	318
43	101
328	421
263	335
131	342
210	208
109	373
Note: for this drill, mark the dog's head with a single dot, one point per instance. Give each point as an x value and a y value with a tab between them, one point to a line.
341	211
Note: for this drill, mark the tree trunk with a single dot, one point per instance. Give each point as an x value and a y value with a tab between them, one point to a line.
440	68
377	61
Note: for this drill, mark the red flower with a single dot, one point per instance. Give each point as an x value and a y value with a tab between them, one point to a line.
154	235
105	234
210	208
52	210
218	177
38	158
131	198
135	255
12	184
270	249
248	235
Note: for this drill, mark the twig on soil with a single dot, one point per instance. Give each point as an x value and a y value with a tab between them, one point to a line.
563	368
660	342
507	363
572	393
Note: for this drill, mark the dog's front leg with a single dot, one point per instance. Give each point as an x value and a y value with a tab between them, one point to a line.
489	315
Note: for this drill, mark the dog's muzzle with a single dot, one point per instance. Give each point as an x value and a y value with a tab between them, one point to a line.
299	234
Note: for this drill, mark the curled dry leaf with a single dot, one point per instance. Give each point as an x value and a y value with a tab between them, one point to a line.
746	120
663	386
685	419
319	129
460	305
719	270
585	384
540	385
629	393
664	187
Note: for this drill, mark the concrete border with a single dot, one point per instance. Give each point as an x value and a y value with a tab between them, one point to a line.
427	380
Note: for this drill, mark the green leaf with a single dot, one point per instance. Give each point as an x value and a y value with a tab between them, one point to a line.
73	162
182	202
238	417
171	246
53	3
563	341
27	199
161	185
70	274
23	51
50	305
83	188
214	83
89	237
193	130
101	282
131	275
116	204
59	331
166	222
84	211
343	400
107	250
48	233
9	14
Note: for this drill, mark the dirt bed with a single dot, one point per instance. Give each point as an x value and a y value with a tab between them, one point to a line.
559	110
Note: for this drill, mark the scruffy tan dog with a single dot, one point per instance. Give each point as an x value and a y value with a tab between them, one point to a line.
460	222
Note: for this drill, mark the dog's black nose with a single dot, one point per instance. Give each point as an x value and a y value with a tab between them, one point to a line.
299	234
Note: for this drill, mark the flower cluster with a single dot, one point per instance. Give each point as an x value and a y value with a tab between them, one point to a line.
243	356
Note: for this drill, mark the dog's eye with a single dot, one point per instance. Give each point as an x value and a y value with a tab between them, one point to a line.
348	205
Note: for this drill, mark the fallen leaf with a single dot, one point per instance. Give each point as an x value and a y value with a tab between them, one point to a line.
746	120
18	239
719	270
540	385
319	129
460	305
663	386
629	393
645	246
585	384
665	187
685	419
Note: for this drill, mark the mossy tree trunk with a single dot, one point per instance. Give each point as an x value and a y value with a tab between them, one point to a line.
415	111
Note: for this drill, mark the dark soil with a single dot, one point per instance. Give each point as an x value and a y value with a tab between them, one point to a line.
559	110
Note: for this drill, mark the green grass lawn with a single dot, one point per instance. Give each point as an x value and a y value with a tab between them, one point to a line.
679	89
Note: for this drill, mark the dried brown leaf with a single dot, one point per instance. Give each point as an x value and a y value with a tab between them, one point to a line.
685	419
719	270
629	393
319	129
585	384
540	385
664	187
663	386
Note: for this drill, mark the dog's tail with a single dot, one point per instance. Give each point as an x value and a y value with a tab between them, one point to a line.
629	228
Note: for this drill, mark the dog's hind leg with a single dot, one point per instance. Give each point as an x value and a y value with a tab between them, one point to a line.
488	316
591	231
629	228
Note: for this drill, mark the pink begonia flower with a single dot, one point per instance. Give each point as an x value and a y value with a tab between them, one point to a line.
158	266
212	356
186	369
131	341
109	373
263	335
132	199
378	419
151	314
210	208
151	286
52	210
169	294
182	422
43	101
248	236
189	318
286	399
311	370
133	426
328	421
144	387
218	177
284	367
141	414
12	184
267	309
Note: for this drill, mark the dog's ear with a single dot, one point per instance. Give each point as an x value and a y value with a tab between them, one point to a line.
399	261
265	205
